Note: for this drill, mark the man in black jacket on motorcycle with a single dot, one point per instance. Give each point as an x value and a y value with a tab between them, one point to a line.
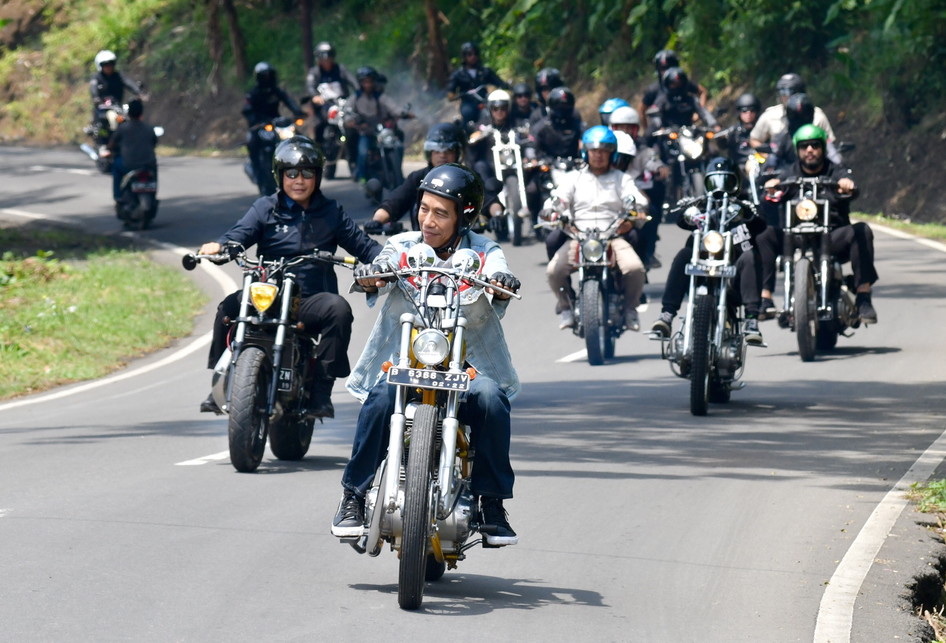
852	242
299	219
132	145
326	71
109	85
444	144
469	83
721	176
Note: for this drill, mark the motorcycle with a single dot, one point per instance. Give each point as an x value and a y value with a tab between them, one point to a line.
710	347
385	153
508	165
334	138
684	149
420	501
598	305
263	381
819	302
138	203
268	135
109	116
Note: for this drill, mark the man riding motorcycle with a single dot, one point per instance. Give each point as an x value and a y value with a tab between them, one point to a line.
296	220
108	85
773	120
326	70
372	108
594	196
451	196
469	83
132	146
444	144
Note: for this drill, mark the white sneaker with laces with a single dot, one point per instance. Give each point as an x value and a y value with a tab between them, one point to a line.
566	319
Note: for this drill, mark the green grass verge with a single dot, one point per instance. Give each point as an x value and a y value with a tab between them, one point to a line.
86	314
934	231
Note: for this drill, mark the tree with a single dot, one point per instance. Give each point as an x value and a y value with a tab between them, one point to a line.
438	69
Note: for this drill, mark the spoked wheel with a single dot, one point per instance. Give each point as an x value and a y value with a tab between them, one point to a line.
703	312
594	321
805	310
513	206
417	515
248	422
291	438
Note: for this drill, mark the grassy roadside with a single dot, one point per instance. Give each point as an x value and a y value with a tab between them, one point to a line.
75	306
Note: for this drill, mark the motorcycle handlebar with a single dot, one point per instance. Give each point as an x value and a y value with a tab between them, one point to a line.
410	272
190	260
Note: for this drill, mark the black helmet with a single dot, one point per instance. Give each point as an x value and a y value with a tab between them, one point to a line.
547	78
442	137
298	151
265	74
324	50
521	89
748	101
469	48
675	81
665	59
367	72
721	176
562	99
789	84
460	185
799	110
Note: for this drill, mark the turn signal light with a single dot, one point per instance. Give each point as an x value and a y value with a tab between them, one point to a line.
268	127
386	366
299	122
471	372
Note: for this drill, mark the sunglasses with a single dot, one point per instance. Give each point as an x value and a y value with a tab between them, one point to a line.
817	145
748	109
499	108
294	172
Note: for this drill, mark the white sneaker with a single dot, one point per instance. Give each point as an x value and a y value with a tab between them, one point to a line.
632	320
566	319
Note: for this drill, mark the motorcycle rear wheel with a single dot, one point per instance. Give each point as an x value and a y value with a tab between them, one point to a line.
703	312
248	426
513	206
417	515
805	310
594	322
290	438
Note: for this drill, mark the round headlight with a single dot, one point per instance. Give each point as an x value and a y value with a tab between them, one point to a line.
806	210
592	250
713	242
262	295
430	347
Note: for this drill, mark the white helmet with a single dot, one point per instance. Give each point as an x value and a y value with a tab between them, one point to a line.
625	143
497	97
625	116
103	57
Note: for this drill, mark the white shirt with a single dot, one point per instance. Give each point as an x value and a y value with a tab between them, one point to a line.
596	201
772	122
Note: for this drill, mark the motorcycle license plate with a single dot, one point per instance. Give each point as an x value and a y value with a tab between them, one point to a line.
285	379
711	271
422	378
144	186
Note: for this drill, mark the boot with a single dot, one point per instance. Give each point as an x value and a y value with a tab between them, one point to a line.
320	401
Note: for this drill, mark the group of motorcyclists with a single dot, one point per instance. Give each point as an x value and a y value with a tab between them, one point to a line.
616	167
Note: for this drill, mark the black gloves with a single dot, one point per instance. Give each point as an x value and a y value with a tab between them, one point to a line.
506	280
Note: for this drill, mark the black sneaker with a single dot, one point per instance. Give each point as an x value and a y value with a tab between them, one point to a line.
663	325
210	405
865	310
349	520
320	404
494	523
767	309
750	329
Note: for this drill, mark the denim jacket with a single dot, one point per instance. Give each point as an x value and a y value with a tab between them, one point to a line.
486	349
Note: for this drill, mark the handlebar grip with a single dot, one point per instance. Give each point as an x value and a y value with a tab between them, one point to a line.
189	261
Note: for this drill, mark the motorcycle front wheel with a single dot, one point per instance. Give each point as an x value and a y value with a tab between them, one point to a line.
417	515
513	206
703	312
805	310
290	439
599	342
249	425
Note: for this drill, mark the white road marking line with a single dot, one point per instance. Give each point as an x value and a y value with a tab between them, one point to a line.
836	613
67	170
574	357
223	455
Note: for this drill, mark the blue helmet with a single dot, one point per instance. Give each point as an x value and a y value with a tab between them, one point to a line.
609	106
599	137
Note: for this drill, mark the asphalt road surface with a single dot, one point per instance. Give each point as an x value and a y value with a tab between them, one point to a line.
121	517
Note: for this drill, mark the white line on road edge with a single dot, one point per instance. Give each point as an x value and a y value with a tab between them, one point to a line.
223	455
836	613
574	357
227	284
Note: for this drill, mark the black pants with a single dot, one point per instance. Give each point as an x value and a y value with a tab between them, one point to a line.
854	243
744	289
324	313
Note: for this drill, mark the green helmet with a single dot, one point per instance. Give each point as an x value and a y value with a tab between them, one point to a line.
809	133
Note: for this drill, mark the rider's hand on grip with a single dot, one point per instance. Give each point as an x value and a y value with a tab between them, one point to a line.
504	280
365	276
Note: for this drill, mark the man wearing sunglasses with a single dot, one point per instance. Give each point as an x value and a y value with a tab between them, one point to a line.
298	219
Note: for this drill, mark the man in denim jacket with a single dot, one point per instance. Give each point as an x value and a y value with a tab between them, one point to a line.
450	198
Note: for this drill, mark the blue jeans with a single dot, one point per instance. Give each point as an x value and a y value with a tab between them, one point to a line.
484	408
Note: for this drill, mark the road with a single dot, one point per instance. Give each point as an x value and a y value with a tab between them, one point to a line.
122	519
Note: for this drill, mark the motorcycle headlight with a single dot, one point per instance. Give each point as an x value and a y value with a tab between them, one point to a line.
592	250
692	147
713	242
806	210
262	295
430	347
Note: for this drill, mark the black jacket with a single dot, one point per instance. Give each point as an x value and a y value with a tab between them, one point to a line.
289	231
403	198
461	81
840	205
262	104
134	141
111	86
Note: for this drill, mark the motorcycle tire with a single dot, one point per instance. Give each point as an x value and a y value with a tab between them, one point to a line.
805	309
593	306
417	516
700	367
827	336
146	208
290	438
513	206
435	569
248	425
330	149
